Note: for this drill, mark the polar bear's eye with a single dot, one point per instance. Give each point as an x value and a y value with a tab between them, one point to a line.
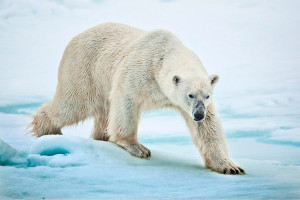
191	96
207	96
176	80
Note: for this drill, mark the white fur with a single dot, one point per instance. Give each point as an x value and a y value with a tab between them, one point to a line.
115	72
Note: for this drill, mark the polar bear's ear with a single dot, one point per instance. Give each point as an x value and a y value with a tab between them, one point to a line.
213	79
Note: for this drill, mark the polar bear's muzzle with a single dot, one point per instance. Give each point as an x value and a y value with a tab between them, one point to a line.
199	111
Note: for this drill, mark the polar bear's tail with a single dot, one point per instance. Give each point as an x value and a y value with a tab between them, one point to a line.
42	124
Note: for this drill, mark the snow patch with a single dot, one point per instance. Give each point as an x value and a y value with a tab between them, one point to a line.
291	135
10	156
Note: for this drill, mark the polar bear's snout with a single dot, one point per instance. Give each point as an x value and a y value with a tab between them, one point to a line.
199	116
199	111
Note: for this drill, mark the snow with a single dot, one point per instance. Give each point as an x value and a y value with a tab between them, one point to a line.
9	155
73	167
83	168
286	135
254	47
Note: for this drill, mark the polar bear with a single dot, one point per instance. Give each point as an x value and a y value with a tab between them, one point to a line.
115	72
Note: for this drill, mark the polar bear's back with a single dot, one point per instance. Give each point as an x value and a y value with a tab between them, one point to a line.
90	59
98	47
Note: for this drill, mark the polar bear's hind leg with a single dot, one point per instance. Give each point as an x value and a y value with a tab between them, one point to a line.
42	123
100	128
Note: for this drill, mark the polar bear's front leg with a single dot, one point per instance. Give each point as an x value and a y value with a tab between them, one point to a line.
122	126
208	136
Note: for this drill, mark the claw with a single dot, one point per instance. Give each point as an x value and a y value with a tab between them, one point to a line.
241	170
229	168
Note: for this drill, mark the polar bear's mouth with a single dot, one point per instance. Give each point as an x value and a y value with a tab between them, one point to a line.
196	120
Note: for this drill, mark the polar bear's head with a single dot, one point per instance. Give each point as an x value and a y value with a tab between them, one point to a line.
193	94
185	82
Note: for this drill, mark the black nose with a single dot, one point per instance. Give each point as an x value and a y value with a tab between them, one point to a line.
198	116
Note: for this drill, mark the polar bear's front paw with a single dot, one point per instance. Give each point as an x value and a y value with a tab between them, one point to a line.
139	150
226	167
135	149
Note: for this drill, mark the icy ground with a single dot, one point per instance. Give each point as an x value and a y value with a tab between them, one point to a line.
73	167
253	45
